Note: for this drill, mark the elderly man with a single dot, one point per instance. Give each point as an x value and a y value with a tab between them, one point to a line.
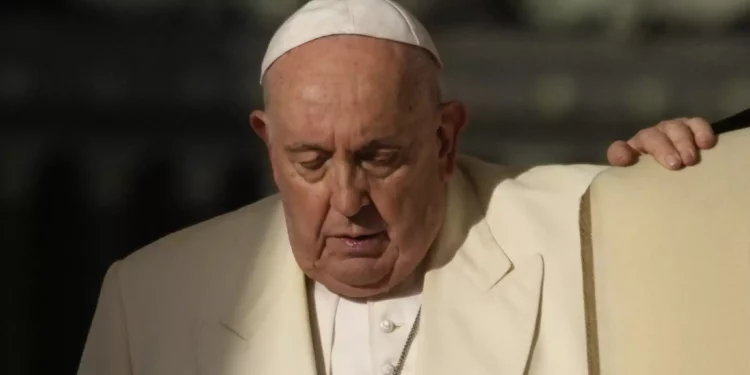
384	251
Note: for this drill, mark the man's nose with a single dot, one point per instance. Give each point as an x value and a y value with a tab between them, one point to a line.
349	192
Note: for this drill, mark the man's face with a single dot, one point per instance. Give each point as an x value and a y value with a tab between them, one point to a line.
361	150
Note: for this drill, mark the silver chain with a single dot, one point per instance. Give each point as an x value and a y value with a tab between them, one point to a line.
409	340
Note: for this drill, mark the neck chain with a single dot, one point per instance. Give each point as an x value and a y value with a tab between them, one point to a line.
409	340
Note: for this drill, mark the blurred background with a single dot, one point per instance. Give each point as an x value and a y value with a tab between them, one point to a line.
124	120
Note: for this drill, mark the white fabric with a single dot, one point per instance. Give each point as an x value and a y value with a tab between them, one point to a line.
356	337
502	295
383	19
671	259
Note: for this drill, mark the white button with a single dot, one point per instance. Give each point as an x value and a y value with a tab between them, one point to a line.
388	369
387	326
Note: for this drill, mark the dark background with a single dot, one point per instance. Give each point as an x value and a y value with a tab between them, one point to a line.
124	120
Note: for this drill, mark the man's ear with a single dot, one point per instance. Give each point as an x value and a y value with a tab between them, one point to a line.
453	118
259	123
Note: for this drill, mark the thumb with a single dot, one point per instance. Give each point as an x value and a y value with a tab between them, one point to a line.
621	154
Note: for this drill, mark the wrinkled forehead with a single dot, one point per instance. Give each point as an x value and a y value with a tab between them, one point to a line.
347	67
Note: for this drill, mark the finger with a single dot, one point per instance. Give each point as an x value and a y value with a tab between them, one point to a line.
621	154
636	144
682	137
704	134
654	142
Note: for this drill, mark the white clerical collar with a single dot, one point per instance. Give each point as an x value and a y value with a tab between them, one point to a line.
332	311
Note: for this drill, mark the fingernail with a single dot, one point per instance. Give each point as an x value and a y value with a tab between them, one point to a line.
673	160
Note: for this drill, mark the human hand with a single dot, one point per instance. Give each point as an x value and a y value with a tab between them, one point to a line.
673	143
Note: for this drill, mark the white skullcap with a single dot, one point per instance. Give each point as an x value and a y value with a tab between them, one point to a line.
383	19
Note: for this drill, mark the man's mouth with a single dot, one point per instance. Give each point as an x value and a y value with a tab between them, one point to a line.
363	237
363	243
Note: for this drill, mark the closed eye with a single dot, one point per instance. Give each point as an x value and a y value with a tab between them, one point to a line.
312	165
382	160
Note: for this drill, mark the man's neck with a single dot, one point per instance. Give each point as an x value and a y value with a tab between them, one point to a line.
410	286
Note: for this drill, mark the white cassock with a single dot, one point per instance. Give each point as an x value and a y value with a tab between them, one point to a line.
502	293
366	337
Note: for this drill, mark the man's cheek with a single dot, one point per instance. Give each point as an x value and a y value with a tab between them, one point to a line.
289	181
309	201
390	201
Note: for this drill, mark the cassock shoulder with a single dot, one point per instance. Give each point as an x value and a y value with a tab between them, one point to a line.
239	230
489	179
196	265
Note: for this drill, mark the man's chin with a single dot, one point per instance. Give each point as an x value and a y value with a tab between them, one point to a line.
357	287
